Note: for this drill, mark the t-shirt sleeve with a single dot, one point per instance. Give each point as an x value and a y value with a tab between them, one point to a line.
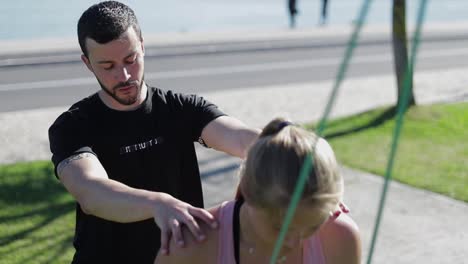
198	112
67	137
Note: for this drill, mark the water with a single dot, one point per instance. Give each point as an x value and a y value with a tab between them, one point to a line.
32	19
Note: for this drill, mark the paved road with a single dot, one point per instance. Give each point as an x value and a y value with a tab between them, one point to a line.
56	79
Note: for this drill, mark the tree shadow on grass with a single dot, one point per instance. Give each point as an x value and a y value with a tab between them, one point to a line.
388	114
47	249
48	215
33	202
52	253
27	184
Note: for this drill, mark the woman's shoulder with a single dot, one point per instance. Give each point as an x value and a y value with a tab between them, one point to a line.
194	251
343	223
341	242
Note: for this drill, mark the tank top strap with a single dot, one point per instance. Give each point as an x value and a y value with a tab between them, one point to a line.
225	235
312	251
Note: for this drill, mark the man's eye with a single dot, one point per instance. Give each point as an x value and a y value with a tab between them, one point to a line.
131	61
108	67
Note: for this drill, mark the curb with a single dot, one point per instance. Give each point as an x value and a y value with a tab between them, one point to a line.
56	51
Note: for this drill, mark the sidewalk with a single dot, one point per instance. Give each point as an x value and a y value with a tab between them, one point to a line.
418	226
66	50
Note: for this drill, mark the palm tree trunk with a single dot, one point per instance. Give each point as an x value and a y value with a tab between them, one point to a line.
400	48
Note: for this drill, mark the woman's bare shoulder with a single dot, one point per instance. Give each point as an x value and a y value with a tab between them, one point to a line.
193	251
341	240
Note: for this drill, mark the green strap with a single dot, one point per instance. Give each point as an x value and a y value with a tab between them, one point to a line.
399	122
307	165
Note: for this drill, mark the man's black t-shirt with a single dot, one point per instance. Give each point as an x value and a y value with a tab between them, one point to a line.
149	148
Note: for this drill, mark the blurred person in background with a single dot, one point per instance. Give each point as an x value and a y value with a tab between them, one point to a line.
292	9
323	13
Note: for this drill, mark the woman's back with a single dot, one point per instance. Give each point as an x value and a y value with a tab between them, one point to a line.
311	248
335	240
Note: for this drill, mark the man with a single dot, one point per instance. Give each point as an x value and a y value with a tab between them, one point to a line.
126	153
323	13
292	9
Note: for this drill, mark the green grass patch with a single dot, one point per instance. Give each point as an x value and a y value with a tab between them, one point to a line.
432	150
37	216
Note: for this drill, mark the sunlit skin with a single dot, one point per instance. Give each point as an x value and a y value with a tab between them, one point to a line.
119	68
260	229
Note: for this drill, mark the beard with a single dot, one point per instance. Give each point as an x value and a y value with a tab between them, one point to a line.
124	100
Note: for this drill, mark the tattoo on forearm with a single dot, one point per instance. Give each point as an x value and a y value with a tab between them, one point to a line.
67	161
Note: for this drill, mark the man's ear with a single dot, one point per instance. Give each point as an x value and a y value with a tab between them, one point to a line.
142	46
86	61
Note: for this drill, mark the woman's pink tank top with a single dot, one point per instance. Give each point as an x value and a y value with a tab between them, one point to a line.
311	251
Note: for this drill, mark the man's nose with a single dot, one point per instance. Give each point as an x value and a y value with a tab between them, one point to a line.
122	75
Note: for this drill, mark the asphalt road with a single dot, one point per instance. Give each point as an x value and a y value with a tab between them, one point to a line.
40	81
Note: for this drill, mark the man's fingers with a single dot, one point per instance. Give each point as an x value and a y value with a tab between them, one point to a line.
193	226
171	214
204	215
165	236
177	233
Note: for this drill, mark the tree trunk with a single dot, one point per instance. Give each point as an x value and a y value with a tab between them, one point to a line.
400	49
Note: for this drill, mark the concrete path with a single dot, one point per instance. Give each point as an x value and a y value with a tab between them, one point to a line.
418	226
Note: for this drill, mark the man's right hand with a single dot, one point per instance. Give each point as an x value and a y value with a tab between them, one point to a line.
170	214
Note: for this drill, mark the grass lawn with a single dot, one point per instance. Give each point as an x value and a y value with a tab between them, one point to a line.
432	151
37	216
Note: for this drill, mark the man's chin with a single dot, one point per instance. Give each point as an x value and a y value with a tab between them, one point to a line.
126	101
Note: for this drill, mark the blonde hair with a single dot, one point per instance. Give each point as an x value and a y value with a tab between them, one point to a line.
273	164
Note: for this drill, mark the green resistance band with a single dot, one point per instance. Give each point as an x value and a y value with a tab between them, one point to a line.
401	110
399	122
308	163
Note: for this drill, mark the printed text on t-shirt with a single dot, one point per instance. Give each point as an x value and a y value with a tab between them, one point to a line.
141	146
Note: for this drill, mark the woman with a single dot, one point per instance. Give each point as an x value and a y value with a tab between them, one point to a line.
250	225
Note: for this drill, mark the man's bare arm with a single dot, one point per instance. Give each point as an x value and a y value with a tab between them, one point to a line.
229	135
87	181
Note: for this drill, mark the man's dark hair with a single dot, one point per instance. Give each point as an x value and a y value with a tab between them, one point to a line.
105	22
